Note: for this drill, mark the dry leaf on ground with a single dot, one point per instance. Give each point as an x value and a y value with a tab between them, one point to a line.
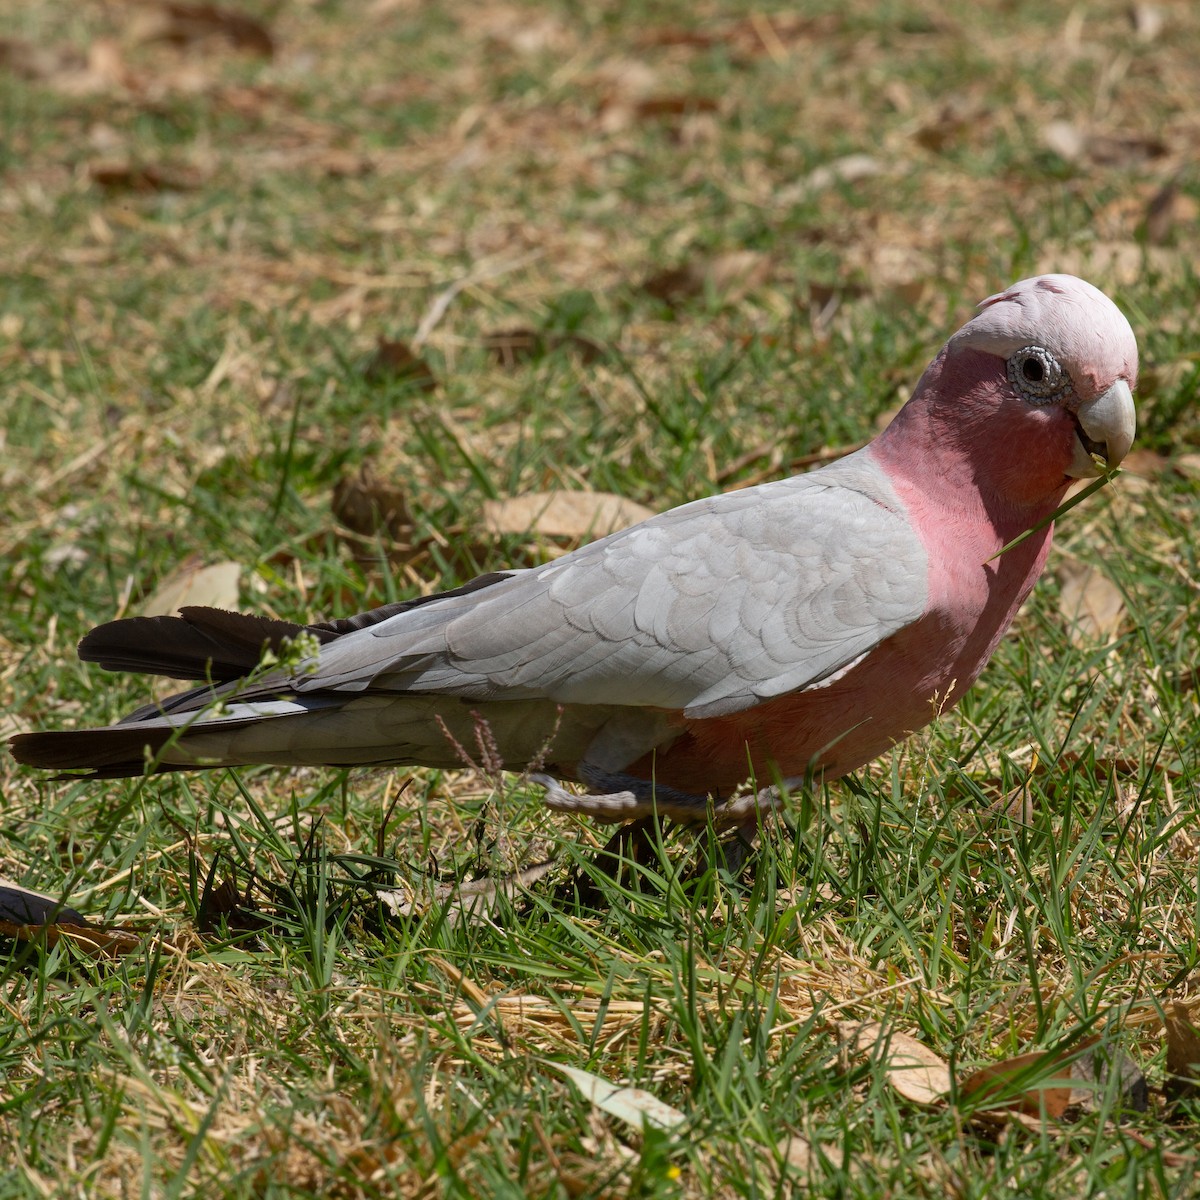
1025	1087
1148	21
31	916
1091	603
634	1106
1076	145
948	125
1183	1047
1167	210
846	170
1053	1081
476	900
1017	805
652	107
1029	1083
1187	464
97	941
368	506
127	176
512	347
563	514
396	360
185	24
1145	463
917	1073
799	1153
214	586
728	276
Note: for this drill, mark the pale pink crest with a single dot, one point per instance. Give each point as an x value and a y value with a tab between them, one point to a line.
1072	319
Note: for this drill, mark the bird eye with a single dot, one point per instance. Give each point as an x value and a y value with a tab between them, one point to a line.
1038	376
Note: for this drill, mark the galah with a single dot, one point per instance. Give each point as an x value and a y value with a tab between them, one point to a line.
795	629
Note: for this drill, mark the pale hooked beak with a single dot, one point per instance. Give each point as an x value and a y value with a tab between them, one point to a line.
1104	427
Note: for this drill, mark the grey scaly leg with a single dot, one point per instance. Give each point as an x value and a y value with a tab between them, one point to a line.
620	798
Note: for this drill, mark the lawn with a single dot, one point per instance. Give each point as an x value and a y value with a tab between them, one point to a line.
313	294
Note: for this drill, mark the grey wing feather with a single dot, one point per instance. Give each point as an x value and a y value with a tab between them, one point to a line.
709	608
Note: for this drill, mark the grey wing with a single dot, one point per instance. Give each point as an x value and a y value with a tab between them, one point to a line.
709	608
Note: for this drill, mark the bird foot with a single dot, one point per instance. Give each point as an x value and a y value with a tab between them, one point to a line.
627	798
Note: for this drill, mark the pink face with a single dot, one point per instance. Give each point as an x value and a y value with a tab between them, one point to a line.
1032	392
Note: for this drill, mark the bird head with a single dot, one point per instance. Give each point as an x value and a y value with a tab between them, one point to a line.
1064	362
1035	390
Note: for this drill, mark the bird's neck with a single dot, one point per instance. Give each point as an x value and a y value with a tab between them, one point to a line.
953	449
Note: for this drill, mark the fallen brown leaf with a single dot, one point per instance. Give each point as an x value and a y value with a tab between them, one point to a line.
1066	140
30	916
1125	149
99	941
1075	145
214	586
1167	210
1146	463
368	506
728	276
184	24
563	514
1030	1083
946	126
635	1106
916	1073
342	164
396	360
1091	603
221	904
1187	464
1017	805
512	347
1183	1048
800	1154
124	175
652	107
1053	1081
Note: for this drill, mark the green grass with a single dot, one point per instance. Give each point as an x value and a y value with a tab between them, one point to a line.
185	372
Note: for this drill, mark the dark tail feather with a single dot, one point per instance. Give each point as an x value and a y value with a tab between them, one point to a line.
111	753
211	644
207	645
199	644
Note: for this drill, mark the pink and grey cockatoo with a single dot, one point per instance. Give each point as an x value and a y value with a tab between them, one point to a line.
800	627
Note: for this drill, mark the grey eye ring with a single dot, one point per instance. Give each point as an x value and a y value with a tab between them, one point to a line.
1037	375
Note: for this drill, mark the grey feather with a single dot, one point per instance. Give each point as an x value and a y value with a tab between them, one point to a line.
708	608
